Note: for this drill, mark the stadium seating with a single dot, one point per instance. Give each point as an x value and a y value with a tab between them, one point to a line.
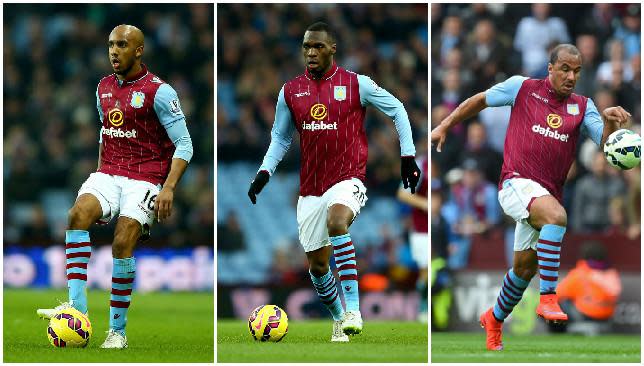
273	219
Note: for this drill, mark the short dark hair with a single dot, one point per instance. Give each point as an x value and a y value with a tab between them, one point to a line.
322	27
571	49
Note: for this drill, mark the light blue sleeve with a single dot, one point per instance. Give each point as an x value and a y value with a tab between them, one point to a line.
100	116
504	93
168	110
372	94
592	125
281	135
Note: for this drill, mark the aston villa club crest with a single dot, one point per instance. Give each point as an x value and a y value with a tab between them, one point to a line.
340	93
137	99
573	109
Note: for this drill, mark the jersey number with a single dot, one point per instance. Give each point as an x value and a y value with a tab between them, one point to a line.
358	194
149	202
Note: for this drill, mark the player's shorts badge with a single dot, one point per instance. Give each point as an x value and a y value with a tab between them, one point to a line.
573	109
340	93
527	189
137	99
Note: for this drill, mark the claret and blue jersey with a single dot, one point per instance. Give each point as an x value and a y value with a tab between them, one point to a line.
143	127
328	113
542	135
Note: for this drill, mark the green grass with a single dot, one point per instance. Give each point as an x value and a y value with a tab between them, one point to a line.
470	347
309	341
162	327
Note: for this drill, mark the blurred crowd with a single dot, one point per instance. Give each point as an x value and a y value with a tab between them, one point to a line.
54	57
475	46
259	49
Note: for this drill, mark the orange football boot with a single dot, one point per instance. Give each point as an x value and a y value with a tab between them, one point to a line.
493	330
549	309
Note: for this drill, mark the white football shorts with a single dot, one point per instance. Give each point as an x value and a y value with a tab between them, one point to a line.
312	211
515	197
122	196
419	245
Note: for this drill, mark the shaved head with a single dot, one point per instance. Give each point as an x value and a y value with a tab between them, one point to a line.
126	45
131	33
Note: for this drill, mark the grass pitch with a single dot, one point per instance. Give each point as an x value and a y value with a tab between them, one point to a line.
162	327
549	348
309	341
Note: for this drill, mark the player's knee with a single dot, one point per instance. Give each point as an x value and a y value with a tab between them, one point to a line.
525	272
557	217
78	218
336	226
319	267
120	250
122	246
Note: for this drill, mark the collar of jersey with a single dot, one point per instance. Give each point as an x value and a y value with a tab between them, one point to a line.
329	74
134	78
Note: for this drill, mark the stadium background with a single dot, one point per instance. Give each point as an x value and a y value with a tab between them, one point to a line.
259	258
476	46
54	56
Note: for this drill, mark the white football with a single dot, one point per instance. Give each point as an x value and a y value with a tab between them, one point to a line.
623	149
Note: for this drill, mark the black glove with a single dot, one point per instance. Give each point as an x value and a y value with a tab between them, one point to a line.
257	185
409	172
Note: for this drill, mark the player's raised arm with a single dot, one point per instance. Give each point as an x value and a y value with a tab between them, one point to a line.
499	95
372	94
469	108
599	127
281	138
168	109
613	118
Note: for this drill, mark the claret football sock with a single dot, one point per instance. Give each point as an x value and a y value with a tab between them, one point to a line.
510	295
123	273
548	253
77	253
345	260
327	290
